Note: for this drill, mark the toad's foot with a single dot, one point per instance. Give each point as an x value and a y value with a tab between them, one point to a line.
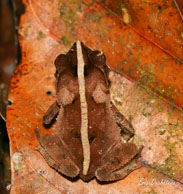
120	161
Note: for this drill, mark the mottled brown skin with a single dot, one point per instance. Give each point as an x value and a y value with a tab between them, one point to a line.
110	158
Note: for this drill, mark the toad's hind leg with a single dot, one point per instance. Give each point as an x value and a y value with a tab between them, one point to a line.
57	156
119	162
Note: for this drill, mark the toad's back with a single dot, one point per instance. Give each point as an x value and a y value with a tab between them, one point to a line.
101	122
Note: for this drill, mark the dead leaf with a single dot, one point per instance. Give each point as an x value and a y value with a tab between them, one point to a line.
154	58
47	29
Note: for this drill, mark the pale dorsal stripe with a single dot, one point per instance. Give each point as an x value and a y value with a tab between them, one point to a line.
84	109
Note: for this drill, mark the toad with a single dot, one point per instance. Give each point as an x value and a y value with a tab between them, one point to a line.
87	140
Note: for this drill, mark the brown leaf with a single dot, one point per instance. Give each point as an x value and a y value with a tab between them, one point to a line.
47	29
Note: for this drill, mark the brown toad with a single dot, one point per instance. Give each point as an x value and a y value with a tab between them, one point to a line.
87	137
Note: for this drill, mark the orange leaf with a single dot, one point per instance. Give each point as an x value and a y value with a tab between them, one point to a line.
49	28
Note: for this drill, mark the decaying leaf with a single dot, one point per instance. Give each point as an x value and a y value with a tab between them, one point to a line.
137	50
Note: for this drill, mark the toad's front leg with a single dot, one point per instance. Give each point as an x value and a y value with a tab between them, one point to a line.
51	113
127	130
